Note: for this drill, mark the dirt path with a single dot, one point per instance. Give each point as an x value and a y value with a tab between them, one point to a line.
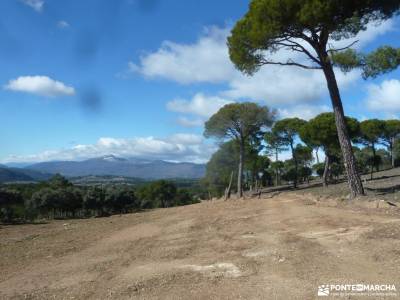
279	248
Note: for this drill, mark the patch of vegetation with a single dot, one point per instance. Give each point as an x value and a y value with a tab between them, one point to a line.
375	146
59	198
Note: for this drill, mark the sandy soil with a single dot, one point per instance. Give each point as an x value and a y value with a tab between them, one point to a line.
273	248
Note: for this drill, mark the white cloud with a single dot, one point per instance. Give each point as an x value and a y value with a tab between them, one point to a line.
303	111
363	38
186	138
199	105
179	147
40	85
62	24
188	122
35	4
385	97
207	60
280	86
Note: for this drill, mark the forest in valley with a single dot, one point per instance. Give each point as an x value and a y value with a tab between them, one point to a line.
58	198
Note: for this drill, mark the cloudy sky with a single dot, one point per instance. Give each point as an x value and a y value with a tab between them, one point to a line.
81	79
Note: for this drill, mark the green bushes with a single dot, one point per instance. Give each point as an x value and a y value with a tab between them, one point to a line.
58	198
10	205
163	194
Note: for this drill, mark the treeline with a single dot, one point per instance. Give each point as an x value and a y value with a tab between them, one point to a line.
258	145
58	198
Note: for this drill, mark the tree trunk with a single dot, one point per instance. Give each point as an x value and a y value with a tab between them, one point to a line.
374	160
353	178
228	189
276	171
326	171
372	172
316	155
391	151
240	171
295	165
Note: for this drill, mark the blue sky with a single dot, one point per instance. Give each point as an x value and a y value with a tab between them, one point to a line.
139	78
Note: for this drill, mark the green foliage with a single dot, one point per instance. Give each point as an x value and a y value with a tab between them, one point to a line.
371	131
274	144
303	154
396	153
273	24
362	157
120	199
347	60
238	121
58	181
336	169
321	131
9	197
163	193
391	131
319	169
94	199
277	165
383	60
159	193
184	197
304	173
60	199
306	26
286	130
10	200
385	158
367	161
70	199
219	169
56	201
242	122
289	173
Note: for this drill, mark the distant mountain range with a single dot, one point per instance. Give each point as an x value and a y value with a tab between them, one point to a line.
110	165
17	174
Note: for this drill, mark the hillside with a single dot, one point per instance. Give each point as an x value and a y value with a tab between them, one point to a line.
8	175
112	165
282	247
17	174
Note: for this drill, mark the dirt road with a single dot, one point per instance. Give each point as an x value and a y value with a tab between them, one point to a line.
279	248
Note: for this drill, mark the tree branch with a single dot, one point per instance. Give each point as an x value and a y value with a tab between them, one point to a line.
295	46
289	63
304	50
344	48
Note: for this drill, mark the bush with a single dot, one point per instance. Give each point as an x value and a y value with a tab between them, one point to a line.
58	198
319	169
11	202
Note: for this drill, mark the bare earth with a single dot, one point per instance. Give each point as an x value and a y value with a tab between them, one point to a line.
273	248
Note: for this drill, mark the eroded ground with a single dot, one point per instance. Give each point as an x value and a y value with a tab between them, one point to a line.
274	248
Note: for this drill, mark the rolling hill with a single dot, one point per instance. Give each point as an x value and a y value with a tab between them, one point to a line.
117	166
17	174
